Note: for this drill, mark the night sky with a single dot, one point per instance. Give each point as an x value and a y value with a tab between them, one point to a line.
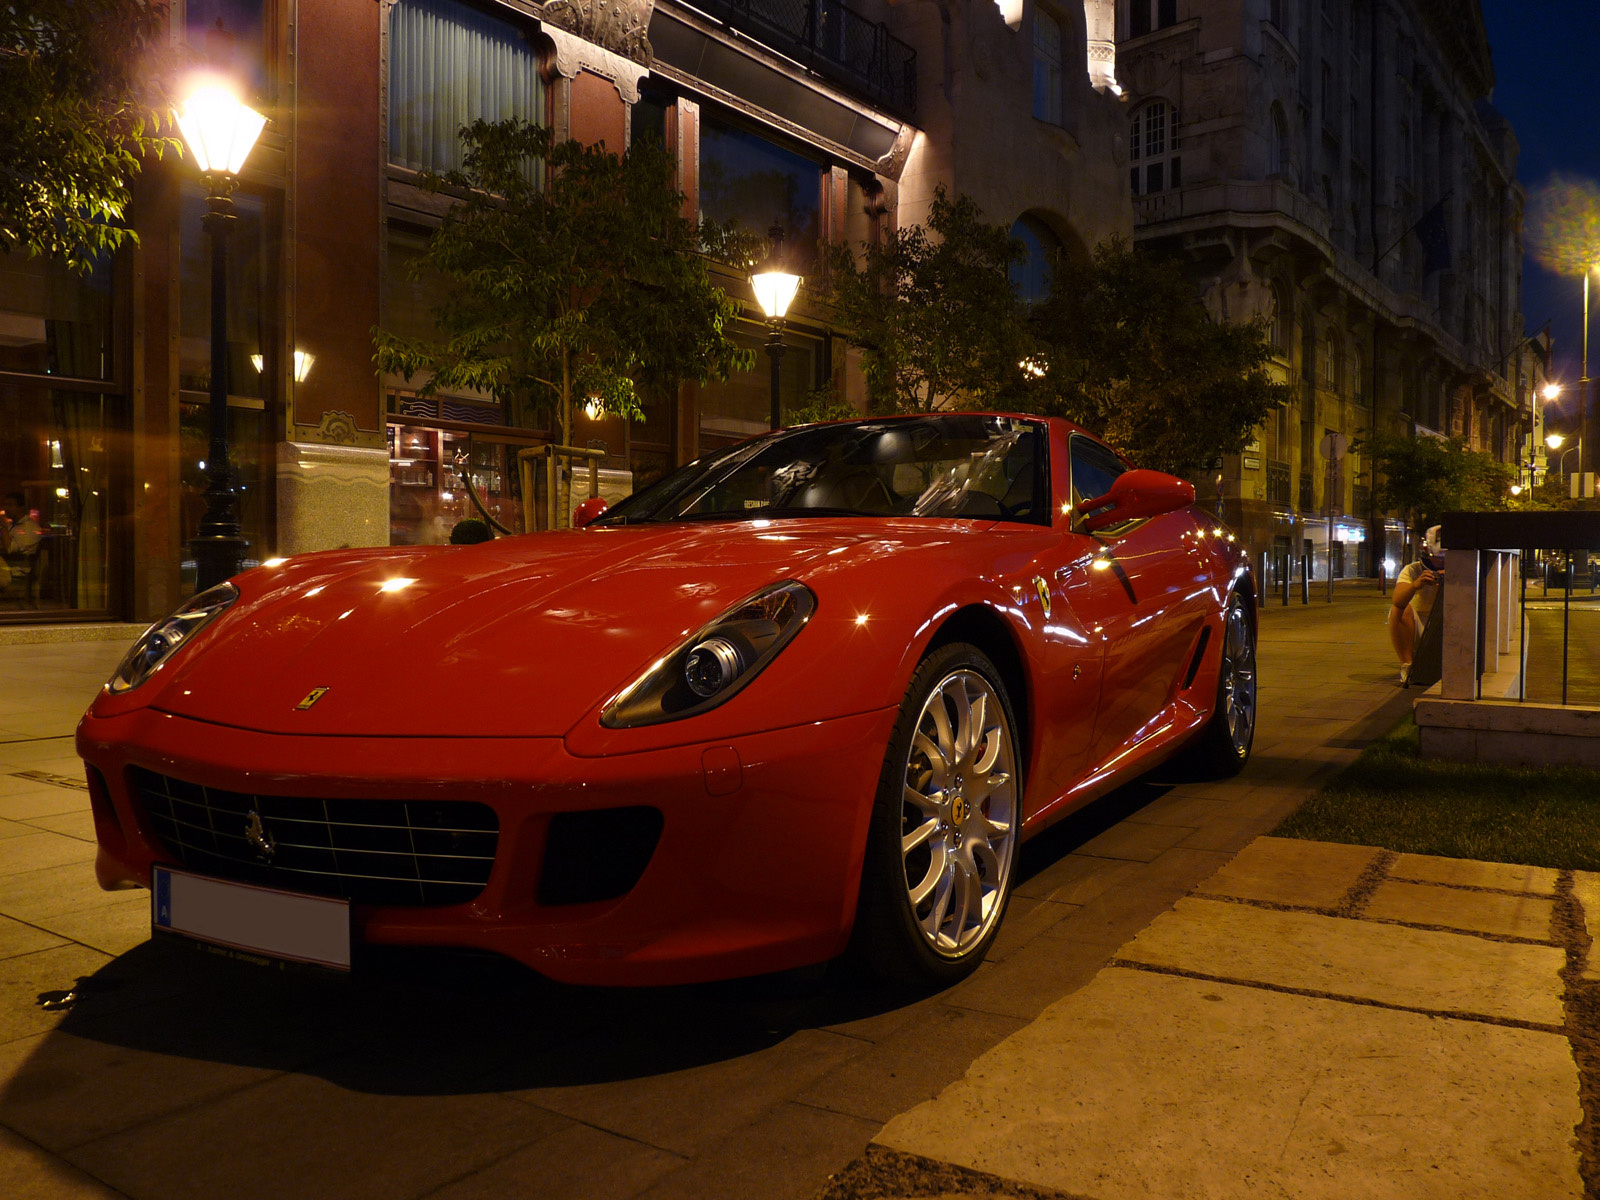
1546	53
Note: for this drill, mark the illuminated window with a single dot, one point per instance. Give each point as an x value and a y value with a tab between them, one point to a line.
1153	149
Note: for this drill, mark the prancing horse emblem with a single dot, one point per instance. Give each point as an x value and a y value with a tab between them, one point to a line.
256	834
312	697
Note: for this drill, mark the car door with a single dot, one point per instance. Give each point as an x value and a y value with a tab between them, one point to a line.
1140	581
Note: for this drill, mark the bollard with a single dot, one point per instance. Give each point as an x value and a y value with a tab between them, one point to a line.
1288	570
1305	579
1261	579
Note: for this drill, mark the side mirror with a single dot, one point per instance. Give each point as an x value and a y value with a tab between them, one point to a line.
1135	495
595	505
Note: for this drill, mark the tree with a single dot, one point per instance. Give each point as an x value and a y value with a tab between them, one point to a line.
933	310
1423	476
1127	349
82	104
570	275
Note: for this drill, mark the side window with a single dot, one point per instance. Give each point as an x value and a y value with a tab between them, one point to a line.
1093	469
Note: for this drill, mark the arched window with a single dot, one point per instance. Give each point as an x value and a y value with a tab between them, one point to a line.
1358	375
1330	362
1153	149
1278	143
1032	276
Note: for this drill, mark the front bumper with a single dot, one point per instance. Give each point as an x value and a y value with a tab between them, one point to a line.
756	870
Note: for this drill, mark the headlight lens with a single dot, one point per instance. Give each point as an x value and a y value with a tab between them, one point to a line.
705	670
163	639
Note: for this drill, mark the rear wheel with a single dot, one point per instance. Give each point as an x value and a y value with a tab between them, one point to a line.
1225	745
943	839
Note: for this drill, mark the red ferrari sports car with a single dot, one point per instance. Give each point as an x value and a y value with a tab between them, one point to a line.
804	695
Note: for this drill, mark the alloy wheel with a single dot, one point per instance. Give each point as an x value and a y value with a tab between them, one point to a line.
1239	680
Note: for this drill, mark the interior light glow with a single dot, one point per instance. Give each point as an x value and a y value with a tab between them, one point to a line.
594	410
398	584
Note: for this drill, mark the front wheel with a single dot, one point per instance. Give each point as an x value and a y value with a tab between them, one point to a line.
1225	745
945	825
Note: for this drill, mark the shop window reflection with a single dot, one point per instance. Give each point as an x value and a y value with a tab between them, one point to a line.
54	321
248	439
741	406
427	489
756	183
252	250
229	36
55	486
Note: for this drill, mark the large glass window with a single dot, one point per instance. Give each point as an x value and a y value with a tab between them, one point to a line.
747	179
428	473
740	407
252	263
54	321
1153	149
449	65
229	35
1033	275
55	488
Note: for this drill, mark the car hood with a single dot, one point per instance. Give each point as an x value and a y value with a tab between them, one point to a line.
518	637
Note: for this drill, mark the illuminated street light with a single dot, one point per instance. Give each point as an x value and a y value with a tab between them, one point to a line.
1550	390
219	130
775	287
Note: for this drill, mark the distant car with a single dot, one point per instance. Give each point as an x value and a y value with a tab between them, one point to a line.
806	693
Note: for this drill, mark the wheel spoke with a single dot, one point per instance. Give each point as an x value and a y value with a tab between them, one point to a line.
936	872
941	902
917	836
962	884
949	745
984	786
977	715
994	742
917	800
936	759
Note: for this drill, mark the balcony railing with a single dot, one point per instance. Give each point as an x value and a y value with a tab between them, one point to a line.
833	40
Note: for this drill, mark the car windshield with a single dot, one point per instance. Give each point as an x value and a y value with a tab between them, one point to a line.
955	465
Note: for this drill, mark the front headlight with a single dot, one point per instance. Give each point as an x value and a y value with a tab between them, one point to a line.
708	668
163	639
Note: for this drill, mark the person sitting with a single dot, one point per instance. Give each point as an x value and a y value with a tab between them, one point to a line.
1415	591
20	535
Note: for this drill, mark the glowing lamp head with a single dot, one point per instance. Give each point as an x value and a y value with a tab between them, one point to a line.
219	128
775	290
1550	391
1516	489
1554	440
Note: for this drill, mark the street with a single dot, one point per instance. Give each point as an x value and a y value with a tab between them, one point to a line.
142	1070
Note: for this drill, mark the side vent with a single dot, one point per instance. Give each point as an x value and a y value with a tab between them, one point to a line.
1199	653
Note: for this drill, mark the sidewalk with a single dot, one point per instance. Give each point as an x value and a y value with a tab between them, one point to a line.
1316	1020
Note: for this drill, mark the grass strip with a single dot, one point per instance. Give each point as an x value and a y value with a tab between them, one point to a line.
1394	798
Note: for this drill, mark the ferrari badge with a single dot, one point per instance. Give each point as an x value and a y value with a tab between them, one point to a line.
312	697
1044	594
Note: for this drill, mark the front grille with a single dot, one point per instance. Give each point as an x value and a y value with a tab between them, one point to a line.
390	852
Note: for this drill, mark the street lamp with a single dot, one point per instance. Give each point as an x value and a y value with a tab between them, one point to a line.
775	285
220	130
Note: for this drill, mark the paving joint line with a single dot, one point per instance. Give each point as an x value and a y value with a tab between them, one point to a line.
1368	882
1341	915
1451	1014
62	1158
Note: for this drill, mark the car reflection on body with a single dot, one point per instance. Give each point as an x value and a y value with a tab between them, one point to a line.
803	696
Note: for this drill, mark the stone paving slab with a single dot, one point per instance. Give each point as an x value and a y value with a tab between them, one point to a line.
1144	1085
1388	964
1286	871
1465	872
30	1173
1455	908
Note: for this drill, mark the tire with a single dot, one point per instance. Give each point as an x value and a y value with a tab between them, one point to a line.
1224	746
942	844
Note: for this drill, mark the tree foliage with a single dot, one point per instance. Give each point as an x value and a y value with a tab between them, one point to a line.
569	274
933	311
82	104
1421	476
1127	349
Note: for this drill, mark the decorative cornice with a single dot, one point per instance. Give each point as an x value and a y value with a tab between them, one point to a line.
620	26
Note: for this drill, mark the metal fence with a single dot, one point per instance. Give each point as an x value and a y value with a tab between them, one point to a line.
1527	583
833	40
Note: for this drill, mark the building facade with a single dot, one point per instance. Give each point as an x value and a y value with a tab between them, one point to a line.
833	120
1334	169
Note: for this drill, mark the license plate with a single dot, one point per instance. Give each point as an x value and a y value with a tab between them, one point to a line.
308	929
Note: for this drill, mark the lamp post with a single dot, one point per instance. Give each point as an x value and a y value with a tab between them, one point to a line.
775	285
220	130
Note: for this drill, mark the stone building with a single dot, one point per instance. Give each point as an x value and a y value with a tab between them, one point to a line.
833	119
1334	168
